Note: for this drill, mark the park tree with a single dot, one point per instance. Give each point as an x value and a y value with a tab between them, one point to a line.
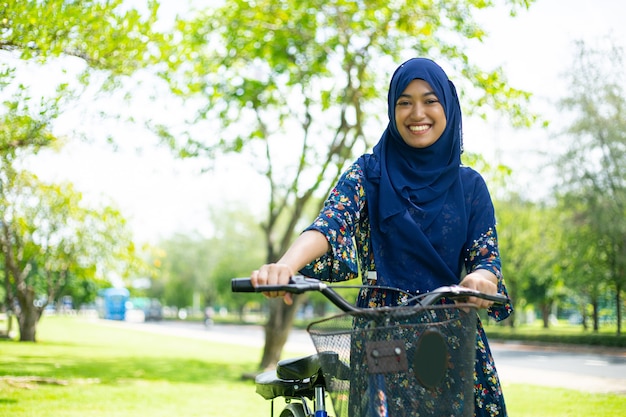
542	283
593	165
106	36
235	251
49	239
80	48
184	261
582	252
297	87
87	48
529	237
202	266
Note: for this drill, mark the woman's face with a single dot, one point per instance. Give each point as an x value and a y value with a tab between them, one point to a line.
420	117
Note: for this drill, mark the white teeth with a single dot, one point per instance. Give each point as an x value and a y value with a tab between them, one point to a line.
418	128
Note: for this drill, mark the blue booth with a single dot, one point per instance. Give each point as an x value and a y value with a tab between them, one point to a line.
111	303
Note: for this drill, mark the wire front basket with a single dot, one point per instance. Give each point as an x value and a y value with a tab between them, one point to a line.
399	361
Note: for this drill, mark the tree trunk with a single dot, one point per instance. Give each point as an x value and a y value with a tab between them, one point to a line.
618	308
28	325
9	322
545	315
595	313
277	330
28	316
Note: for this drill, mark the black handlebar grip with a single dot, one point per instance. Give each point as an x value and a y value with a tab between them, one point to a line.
241	285
499	299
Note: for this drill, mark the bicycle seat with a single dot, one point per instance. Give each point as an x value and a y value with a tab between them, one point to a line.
294	377
269	386
298	368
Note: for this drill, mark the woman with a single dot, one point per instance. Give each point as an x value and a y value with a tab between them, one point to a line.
409	216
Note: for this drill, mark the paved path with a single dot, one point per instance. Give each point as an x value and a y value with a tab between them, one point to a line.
591	369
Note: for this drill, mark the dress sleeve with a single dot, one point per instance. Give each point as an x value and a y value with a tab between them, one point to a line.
339	222
482	250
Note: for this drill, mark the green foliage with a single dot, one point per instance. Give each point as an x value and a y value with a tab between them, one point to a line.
294	62
56	243
496	176
53	245
529	236
572	253
594	154
183	265
592	192
26	125
105	34
204	266
551	257
78	47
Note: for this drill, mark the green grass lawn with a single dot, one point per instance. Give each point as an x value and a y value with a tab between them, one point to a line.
81	368
561	332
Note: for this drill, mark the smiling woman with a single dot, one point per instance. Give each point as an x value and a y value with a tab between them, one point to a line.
408	215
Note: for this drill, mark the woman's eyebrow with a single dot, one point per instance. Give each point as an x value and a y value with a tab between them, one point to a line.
426	94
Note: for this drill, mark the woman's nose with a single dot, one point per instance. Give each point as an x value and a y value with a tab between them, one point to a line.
418	111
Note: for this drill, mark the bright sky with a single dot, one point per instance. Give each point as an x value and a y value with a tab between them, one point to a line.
160	195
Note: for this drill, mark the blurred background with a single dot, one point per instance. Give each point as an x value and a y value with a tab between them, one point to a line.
165	147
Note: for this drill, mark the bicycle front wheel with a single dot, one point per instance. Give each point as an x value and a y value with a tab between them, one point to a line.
293	410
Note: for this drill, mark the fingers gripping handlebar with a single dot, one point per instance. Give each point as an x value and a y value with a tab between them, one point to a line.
300	284
297	285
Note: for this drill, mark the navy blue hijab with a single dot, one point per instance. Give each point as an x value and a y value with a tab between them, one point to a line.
415	197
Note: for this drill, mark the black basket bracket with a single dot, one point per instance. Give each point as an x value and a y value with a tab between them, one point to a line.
386	356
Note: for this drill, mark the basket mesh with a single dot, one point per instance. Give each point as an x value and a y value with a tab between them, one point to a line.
399	362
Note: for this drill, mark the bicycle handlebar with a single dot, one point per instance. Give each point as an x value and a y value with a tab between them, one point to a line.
299	284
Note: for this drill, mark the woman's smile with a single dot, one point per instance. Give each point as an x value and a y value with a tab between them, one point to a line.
419	128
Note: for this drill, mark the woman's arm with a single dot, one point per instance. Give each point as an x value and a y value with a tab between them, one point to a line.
483	256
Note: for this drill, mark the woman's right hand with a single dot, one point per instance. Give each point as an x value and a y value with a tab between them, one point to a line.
273	274
310	245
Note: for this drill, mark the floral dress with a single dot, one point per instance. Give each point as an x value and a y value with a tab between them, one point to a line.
344	222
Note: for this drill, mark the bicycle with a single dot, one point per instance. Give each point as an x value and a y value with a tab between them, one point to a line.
379	362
